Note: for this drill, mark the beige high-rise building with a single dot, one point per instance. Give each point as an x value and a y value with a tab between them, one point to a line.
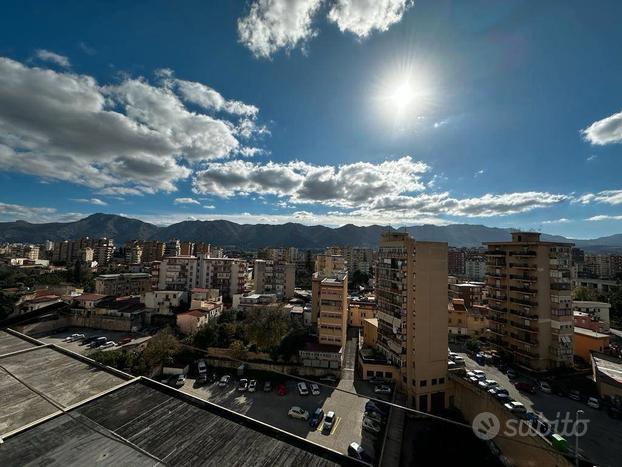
332	324
530	303
277	277
327	265
411	291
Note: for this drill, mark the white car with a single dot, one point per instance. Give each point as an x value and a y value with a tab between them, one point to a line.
382	389
516	408
329	422
303	390
224	381
252	385
545	387
371	425
479	374
107	345
488	384
73	338
299	413
593	402
315	389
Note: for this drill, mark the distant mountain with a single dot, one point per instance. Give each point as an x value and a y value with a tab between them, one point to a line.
253	236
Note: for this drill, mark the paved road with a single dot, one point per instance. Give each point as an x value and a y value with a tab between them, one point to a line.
603	441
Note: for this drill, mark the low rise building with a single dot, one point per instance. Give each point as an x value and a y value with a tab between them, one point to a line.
256	301
317	355
163	302
123	284
587	341
470	292
360	309
190	321
598	310
588	321
370	332
607	373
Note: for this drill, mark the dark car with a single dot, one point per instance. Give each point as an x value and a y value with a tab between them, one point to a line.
267	386
372	406
524	386
575	395
316	418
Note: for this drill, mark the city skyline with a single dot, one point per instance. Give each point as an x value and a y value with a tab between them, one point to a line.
314	112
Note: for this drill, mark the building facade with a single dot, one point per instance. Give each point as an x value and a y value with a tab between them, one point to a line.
411	291
529	299
123	284
275	276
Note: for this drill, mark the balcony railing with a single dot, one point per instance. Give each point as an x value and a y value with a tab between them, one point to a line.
495	253
530	316
498	331
497	307
497	319
560	286
522	253
522	301
498	298
527	266
523	277
523	289
522	327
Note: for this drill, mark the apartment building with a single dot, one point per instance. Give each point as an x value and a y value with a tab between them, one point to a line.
470	292
153	250
326	264
227	275
285	254
332	325
360	309
456	258
69	251
133	252
275	276
467	321
530	303
411	291
173	248
359	259
475	268
123	284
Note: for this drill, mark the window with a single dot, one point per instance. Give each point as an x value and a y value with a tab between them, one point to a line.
423	383
441	381
370	373
433	381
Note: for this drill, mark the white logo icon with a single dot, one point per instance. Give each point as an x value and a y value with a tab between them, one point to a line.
486	426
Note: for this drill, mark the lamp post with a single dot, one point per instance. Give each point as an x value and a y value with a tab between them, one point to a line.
576	438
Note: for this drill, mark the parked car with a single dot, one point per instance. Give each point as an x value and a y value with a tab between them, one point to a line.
303	390
73	338
179	381
575	395
267	386
473	379
381	409
107	344
315	389
524	386
511	373
382	389
545	387
298	413
202	379
488	384
243	385
316	417
458	361
614	412
212	378
252	385
357	452
500	393
98	342
201	366
479	374
281	390
331	379
371	426
224	381
125	340
375	416
379	380
516	408
329	422
593	402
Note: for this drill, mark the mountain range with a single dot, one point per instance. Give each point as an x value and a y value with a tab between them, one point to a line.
253	236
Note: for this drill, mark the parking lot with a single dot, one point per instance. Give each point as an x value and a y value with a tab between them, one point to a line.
78	347
602	442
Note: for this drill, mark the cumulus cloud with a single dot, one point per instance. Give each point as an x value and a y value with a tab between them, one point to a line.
347	185
186	201
94	201
362	17
271	25
562	220
612	197
605	131
127	138
604	217
47	56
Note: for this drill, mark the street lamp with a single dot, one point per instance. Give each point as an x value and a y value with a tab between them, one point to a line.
576	438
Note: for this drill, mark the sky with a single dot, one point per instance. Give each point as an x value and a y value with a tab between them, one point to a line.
328	112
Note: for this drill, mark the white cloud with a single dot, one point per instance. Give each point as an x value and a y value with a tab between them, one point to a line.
12	212
128	138
186	201
612	197
562	220
94	201
591	157
209	206
605	131
277	24
604	217
52	57
479	172
347	185
362	17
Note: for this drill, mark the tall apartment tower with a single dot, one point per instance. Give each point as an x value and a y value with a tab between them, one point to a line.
275	276
411	290
530	302
332	301
326	266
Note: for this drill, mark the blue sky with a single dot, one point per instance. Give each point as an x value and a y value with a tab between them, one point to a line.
321	112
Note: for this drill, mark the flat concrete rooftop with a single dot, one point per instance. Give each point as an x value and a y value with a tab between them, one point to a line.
10	343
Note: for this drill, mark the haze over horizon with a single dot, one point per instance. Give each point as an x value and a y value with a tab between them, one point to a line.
322	113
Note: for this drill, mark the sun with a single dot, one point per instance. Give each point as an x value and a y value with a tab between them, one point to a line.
402	96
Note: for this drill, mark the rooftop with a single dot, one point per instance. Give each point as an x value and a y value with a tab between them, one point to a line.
608	366
61	408
590	333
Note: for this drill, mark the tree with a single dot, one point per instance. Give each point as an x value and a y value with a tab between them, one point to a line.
238	350
206	336
266	327
585	294
161	349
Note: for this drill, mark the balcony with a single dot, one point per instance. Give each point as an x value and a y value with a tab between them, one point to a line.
525	353
497	307
523	277
525	266
526	339
523	253
560	286
498	298
522	327
500	274
522	301
495	253
524	315
498	331
526	290
497	319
